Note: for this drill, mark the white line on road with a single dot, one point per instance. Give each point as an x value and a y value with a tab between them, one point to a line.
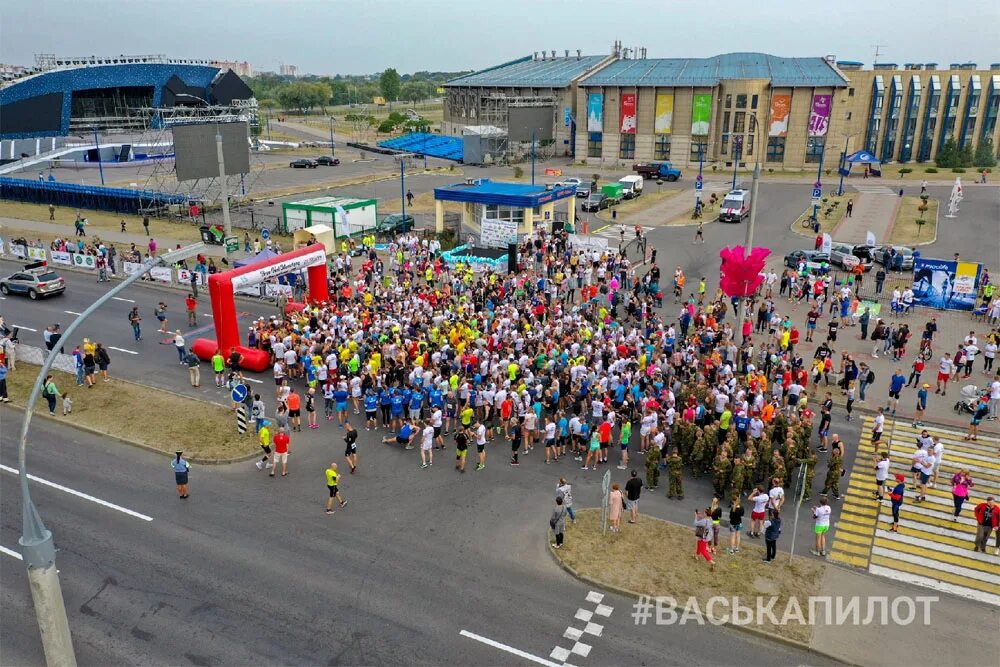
71	312
510	649
21	326
118	298
121	349
206	314
10	552
254	380
78	494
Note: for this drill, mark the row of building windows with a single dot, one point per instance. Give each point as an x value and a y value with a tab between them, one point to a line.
737	146
741	101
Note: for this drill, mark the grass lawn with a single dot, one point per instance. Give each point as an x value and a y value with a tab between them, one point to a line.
422	203
204	431
646	201
827	222
905	230
656	558
98	221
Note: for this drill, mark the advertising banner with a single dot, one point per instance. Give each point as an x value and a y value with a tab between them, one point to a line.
61	258
272	290
184	277
663	119
84	261
595	112
940	283
819	117
37	254
781	106
19	250
567	116
131	267
628	113
497	233
701	114
162	274
293	265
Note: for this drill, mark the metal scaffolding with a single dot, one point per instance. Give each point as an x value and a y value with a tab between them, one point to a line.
494	110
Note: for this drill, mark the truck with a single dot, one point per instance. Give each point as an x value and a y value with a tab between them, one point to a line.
657	170
631	186
736	206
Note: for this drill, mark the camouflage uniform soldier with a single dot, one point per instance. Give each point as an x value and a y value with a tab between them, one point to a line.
698	454
834	473
739	478
720	474
777	466
810	459
764	457
674	465
652	468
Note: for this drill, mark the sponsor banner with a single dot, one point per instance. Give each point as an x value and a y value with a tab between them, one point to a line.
940	283
131	267
184	277
827	244
497	233
162	274
84	261
272	290
19	250
595	112
37	254
61	257
701	114
293	265
628	113
663	119
3	247
567	116
781	107
249	290
819	117
580	241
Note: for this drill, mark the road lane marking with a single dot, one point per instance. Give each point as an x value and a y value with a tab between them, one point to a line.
121	349
206	314
254	380
79	494
10	552
118	298
71	312
21	326
510	649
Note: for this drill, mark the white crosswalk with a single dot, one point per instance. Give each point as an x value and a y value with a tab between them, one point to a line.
613	232
875	189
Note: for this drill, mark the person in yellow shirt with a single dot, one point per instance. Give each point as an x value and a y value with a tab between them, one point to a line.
264	438
332	485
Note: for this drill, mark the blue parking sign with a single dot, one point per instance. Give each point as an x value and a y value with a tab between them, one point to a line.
817	193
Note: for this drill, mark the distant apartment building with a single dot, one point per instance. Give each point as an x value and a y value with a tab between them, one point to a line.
288	70
241	68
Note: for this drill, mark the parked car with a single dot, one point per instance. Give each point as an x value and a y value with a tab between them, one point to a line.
842	255
395	224
572	180
881	255
866	254
596	202
811	257
303	163
583	189
36	280
736	206
328	161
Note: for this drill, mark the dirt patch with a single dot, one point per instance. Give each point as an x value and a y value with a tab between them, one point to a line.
205	431
632	206
97	221
831	212
422	203
906	231
656	558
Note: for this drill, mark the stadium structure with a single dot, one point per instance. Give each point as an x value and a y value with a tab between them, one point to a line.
88	111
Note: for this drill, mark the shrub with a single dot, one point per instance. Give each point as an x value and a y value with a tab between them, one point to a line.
930	170
770	170
905	170
829	171
920	224
715	167
518	172
958	170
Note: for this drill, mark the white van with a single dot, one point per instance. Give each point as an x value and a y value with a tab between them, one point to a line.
631	186
735	207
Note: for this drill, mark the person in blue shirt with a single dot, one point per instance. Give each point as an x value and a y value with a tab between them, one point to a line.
742	423
562	425
396	403
921	405
403	437
896	497
436	397
371	410
896	384
340	398
416	403
181	469
384	399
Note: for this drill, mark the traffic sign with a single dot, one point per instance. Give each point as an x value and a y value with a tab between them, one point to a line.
817	193
240	392
241	419
698	178
698	185
232	243
265	234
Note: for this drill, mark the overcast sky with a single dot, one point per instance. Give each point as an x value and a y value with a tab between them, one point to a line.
365	36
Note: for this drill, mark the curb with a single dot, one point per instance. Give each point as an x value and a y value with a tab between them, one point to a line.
750	630
892	222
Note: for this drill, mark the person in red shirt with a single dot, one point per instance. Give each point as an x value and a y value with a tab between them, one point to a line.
918	368
191	304
294	404
604	435
281	442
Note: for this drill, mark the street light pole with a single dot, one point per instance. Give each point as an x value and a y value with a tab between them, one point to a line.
748	242
331	137
227	222
402	188
37	546
97	147
737	145
532	157
843	164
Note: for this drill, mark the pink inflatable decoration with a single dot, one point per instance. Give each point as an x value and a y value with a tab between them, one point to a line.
741	275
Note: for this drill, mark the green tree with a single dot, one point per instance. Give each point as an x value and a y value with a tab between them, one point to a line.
361	124
965	156
386	126
947	157
985	155
415	91
389	84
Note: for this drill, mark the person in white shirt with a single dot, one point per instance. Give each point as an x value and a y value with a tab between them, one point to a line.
945	368
926	466
915	458
759	511
938	452
776	496
877	428
994	397
882	465
822	515
427	446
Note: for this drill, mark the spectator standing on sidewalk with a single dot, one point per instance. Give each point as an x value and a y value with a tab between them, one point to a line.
703	536
994	397
735	525
772	531
921	405
633	489
181	469
191	305
194	372
564	491
557	522
4	398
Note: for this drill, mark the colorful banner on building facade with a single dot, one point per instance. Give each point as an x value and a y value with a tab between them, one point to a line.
595	112
819	117
663	120
781	106
940	283
701	114
628	113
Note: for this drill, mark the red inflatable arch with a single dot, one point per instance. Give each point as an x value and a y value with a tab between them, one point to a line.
221	287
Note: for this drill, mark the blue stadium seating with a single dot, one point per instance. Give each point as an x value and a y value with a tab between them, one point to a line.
73	195
425	143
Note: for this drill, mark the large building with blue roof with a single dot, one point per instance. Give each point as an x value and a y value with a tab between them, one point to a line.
797	113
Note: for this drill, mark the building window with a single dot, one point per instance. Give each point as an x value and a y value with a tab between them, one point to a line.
661	148
741	101
729	101
725	144
498	212
626	148
699	147
850	92
775	149
725	121
748	146
814	148
753	102
594	144
739	122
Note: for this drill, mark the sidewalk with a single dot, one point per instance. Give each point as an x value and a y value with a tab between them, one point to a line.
872	212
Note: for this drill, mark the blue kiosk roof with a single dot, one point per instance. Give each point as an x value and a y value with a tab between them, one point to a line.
520	195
